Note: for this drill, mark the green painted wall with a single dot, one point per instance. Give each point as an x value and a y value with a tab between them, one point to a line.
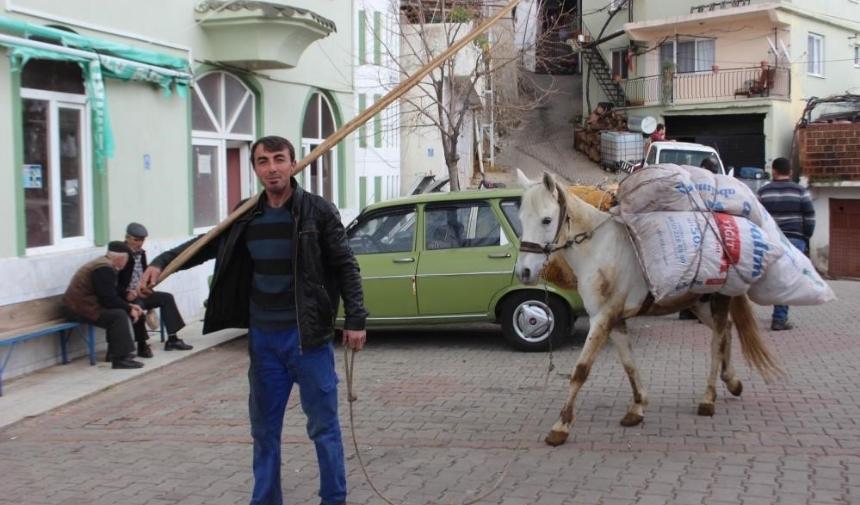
145	122
10	197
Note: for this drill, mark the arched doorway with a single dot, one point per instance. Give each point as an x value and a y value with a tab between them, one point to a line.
320	177
222	123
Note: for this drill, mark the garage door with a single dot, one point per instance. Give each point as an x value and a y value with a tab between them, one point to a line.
844	238
739	138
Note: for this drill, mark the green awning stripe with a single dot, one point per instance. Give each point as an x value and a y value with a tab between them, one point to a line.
103	142
98	59
100	46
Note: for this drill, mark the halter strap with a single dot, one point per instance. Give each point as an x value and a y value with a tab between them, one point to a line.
563	219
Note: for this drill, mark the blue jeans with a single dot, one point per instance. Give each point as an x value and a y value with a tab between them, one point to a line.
276	364
780	312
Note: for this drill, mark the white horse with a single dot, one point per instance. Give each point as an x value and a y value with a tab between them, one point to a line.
613	289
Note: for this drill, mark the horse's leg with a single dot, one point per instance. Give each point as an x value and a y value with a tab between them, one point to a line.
636	411
728	375
597	334
717	318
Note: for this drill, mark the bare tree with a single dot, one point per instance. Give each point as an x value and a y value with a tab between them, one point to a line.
453	98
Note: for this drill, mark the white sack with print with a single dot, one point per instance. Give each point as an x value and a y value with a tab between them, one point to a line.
790	280
697	252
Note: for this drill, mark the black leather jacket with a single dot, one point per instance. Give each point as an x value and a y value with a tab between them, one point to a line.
325	270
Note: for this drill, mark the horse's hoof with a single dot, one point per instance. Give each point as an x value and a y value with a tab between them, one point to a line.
737	389
706	409
631	419
556	438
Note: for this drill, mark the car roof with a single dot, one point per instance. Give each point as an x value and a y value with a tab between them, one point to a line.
689	146
454	196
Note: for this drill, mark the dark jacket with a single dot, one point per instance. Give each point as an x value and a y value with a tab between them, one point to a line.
93	288
324	268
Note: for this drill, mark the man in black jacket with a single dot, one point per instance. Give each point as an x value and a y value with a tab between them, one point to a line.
129	287
280	270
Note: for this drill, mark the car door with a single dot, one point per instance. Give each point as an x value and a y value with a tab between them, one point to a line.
466	258
384	245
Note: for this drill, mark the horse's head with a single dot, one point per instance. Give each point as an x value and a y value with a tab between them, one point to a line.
542	215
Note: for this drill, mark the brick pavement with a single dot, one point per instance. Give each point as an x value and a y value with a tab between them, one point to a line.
440	415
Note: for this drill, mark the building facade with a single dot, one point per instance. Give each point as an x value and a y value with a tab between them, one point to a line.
735	74
146	112
377	144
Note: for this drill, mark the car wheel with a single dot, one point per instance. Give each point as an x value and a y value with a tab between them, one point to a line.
531	321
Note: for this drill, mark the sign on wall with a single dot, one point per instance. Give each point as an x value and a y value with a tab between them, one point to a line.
32	176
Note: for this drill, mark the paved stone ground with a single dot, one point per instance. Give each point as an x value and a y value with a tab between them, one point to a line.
440	415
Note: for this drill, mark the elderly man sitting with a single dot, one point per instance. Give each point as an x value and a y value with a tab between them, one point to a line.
92	297
129	287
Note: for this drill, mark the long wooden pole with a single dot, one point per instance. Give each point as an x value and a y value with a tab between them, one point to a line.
341	133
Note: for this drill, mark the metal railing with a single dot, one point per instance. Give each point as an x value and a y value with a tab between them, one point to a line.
725	4
710	86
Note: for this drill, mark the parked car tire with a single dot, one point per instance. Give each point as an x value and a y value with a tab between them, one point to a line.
531	320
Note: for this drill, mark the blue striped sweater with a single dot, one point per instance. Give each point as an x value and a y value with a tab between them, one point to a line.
791	207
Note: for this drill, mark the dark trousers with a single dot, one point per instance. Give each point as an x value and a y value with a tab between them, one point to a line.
117	325
172	318
118	330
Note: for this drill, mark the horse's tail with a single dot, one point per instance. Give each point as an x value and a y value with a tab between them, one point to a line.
752	346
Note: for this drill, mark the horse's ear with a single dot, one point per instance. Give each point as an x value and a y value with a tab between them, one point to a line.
549	182
522	180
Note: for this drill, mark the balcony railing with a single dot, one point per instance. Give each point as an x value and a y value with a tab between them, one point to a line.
711	86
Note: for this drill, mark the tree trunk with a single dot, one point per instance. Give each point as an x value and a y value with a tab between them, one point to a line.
453	175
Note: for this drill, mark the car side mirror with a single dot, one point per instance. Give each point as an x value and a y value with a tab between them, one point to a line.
731	172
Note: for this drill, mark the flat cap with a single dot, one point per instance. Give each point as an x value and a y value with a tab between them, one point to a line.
118	246
136	230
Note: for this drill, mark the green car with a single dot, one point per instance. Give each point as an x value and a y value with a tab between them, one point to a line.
442	258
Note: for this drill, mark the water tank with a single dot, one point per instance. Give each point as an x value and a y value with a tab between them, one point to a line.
642	124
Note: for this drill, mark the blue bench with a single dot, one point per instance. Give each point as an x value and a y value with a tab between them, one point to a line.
33	319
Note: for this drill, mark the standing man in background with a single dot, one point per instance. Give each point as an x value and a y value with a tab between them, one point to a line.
280	271
791	207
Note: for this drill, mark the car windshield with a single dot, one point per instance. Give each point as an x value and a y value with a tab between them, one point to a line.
681	157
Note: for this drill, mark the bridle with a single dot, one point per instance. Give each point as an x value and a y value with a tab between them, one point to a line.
563	219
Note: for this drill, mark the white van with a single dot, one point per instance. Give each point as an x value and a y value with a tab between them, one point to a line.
682	153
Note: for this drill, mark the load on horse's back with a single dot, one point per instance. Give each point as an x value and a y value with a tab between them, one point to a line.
613	288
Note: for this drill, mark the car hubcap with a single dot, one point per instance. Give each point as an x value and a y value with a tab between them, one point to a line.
533	321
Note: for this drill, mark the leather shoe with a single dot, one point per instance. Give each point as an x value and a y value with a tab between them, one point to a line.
144	351
781	325
109	356
126	363
177	345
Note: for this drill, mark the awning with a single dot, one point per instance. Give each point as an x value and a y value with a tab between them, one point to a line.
98	59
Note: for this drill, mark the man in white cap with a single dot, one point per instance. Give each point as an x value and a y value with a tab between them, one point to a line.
129	287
